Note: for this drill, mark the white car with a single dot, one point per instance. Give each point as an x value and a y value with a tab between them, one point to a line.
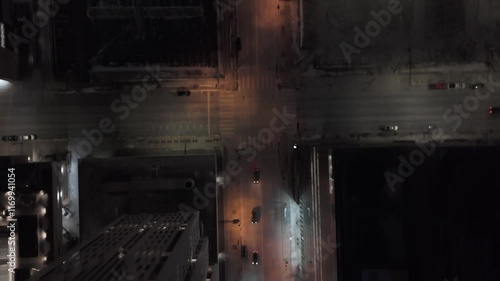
28	137
456	86
389	128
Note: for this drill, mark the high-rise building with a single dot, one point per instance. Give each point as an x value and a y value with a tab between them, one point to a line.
167	247
30	216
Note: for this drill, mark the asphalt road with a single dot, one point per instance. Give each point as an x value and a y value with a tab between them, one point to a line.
160	114
345	105
364	103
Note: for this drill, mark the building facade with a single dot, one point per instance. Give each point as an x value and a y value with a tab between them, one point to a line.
167	247
30	217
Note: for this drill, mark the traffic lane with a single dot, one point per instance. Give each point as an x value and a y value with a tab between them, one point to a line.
247	31
251	233
267	33
312	126
274	228
231	208
416	111
74	117
108	107
60	128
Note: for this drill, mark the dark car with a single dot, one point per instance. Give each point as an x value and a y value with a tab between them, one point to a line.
256	175
494	110
477	86
389	128
183	93
255	258
244	253
10	138
238	44
254	217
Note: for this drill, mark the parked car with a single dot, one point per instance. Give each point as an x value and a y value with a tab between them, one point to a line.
255	258
438	86
456	85
10	138
238	44
29	137
256	175
244	252
185	93
494	110
389	128
477	86
254	217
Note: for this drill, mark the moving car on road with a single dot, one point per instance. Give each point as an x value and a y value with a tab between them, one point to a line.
185	93
477	86
494	110
29	137
255	258
456	85
244	252
256	175
389	128
254	217
238	44
10	138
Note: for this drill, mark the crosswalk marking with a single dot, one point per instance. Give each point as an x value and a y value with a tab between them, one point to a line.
254	82
266	150
226	113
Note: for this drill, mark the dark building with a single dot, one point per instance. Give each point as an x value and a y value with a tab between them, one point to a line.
163	247
30	220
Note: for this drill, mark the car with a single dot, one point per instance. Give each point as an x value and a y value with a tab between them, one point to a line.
438	86
238	44
185	93
477	86
29	137
254	217
456	85
256	175
10	138
255	258
389	128
244	252
494	110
